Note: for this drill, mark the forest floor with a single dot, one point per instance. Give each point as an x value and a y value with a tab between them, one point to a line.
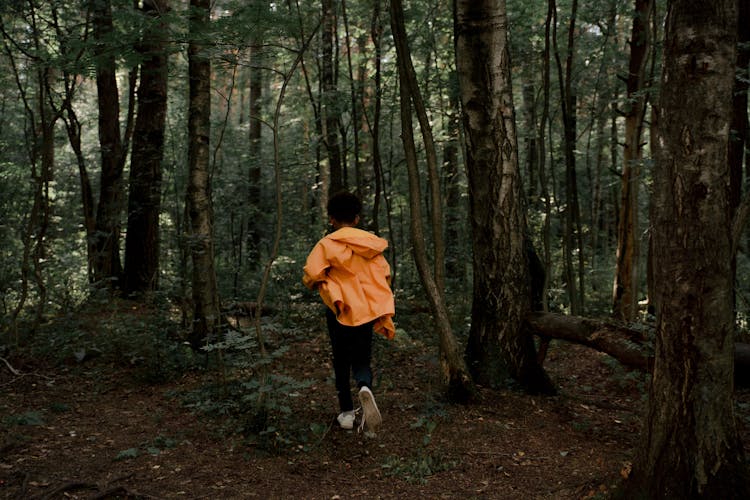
94	428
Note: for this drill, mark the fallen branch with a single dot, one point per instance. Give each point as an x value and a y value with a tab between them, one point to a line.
624	344
73	485
10	367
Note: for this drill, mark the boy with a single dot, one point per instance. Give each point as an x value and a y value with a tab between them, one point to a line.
353	278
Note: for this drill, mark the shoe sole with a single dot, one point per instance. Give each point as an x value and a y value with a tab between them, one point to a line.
370	412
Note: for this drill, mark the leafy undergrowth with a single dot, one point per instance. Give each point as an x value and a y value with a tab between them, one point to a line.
123	411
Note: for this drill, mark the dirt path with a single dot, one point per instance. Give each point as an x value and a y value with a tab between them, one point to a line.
96	433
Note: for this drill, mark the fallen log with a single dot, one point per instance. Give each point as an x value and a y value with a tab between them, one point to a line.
626	345
629	346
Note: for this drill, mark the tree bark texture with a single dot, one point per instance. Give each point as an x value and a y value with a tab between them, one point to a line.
738	136
106	264
498	346
625	288
144	200
690	446
205	295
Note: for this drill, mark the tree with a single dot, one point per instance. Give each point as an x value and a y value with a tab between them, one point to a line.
144	201
205	294
625	290
690	446
330	105
572	237
107	264
256	149
498	345
455	371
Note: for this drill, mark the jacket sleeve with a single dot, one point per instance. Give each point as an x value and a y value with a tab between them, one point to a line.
316	267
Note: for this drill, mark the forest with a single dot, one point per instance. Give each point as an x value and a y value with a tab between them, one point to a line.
564	187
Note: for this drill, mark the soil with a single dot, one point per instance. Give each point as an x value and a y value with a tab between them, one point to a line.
95	429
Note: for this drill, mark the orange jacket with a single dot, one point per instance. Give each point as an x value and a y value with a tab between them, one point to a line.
353	278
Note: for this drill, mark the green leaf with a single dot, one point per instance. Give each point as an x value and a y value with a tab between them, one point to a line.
127	454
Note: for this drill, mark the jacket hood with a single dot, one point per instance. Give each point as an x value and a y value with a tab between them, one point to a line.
361	242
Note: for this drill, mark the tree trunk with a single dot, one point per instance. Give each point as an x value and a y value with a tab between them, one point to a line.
376	32
738	136
542	155
498	345
625	289
205	295
144	201
454	214
529	111
436	214
330	99
354	86
690	446
571	232
254	171
455	372
107	265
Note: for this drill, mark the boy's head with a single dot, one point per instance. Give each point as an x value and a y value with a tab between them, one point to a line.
344	208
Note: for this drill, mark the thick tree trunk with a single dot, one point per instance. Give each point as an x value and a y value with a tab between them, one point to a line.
625	289
205	295
498	346
690	446
107	265
144	201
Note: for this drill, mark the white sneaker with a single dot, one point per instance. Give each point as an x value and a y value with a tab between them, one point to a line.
346	419
371	418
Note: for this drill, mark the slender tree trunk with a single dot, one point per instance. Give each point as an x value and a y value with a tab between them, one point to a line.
144	201
107	265
205	295
690	446
498	345
454	214
625	289
354	102
376	32
254	188
455	372
45	153
543	183
572	216
529	110
330	99
436	214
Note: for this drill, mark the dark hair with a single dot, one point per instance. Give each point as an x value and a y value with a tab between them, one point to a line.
344	207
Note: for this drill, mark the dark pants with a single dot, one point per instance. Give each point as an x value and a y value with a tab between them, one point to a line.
352	351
